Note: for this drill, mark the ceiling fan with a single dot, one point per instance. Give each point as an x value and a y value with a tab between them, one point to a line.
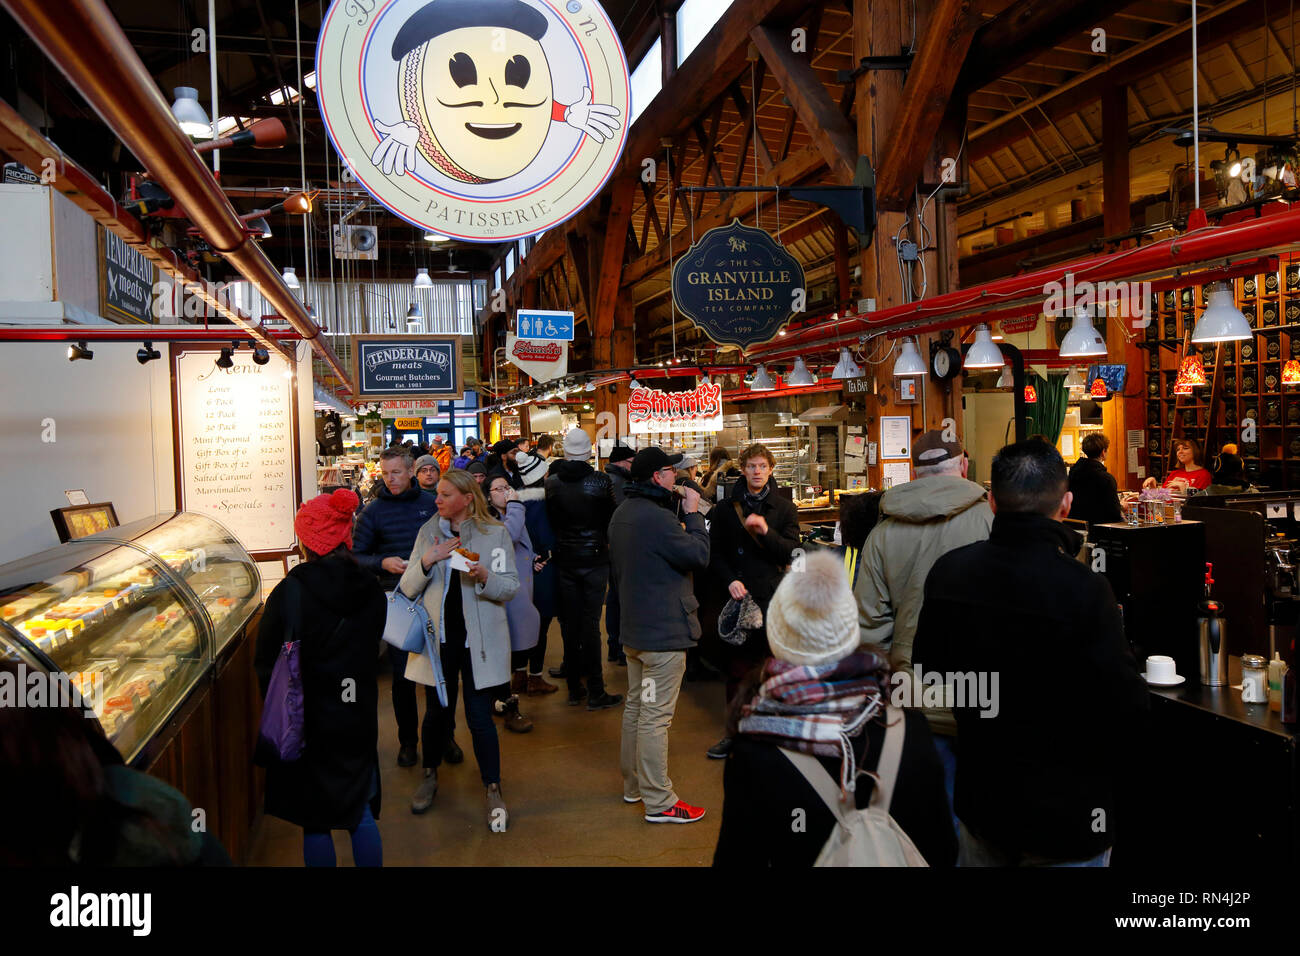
451	264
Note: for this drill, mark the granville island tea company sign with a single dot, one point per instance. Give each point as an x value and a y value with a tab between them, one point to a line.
738	285
390	367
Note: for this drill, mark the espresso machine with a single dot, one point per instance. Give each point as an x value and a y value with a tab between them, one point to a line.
1281	593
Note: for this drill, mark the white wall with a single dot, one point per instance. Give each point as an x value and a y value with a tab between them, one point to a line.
112	437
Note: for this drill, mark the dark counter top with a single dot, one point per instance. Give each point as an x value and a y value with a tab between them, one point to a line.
1226	702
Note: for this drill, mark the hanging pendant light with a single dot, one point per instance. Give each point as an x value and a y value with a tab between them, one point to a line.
1099	389
1031	395
189	113
1006	379
291	278
984	353
1191	373
846	367
1182	388
762	382
1082	341
909	361
1221	321
1291	373
1074	378
422	280
414	318
799	375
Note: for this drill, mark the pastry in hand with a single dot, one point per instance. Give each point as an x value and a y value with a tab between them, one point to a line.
467	554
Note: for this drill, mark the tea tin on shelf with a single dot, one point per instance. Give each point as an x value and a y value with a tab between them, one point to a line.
1270	382
1292	313
1273	413
1292	277
1249	312
1248	384
1274	348
1247	286
1247	351
1270	282
1294	447
1293	413
1270	313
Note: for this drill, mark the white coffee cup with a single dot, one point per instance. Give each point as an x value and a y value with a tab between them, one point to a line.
1160	669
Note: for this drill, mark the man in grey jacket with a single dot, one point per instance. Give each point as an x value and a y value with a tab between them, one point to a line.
652	558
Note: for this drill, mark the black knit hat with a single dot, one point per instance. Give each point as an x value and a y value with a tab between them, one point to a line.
621	453
649	460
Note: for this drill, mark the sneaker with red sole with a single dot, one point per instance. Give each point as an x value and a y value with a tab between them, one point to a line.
679	812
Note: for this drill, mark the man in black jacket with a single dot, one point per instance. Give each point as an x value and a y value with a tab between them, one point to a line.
382	542
579	503
653	558
1096	495
1041	758
617	467
752	536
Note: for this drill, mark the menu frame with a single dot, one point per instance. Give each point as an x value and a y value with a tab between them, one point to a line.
177	351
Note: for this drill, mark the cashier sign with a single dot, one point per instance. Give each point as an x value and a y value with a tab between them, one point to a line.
483	120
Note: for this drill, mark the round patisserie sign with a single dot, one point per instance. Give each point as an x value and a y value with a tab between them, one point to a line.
483	120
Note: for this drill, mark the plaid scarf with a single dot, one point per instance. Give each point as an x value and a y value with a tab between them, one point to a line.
754	499
817	709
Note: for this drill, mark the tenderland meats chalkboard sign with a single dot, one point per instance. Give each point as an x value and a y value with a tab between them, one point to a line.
390	367
738	285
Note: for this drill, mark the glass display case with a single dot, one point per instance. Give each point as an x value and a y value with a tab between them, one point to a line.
134	616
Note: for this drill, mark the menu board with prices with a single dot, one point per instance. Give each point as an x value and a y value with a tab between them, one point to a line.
236	445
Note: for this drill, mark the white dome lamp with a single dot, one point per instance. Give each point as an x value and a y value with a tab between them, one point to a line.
846	367
1221	321
799	375
291	278
1073	378
1006	380
189	113
909	361
1083	340
422	280
984	352
762	381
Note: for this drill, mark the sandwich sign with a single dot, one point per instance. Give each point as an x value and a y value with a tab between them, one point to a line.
483	120
650	410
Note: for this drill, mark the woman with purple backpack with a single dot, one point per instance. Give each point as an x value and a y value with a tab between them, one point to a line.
335	611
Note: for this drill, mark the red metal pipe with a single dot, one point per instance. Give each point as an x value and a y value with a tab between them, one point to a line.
21	141
1216	242
83	40
135	333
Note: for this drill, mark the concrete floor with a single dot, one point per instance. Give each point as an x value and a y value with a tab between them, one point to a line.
561	784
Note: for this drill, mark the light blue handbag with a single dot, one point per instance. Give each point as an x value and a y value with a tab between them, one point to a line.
408	628
407	623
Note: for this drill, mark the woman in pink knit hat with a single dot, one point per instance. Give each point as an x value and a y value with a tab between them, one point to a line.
336	610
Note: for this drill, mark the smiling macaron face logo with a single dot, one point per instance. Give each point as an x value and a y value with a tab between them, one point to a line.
484	120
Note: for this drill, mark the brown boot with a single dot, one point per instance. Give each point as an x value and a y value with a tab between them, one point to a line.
519	682
514	720
537	684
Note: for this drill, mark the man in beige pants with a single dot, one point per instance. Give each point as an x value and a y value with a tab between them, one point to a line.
652	558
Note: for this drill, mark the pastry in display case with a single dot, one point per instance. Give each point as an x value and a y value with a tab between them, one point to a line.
134	616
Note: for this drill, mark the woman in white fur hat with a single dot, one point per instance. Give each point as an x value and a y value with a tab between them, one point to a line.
821	694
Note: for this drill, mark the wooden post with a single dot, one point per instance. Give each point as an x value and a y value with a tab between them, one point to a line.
1115	161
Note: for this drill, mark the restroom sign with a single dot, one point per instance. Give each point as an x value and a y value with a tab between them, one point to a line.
483	120
543	325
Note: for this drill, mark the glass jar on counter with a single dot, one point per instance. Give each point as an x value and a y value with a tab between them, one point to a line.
1254	679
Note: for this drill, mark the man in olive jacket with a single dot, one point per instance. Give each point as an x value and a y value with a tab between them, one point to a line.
652	558
920	521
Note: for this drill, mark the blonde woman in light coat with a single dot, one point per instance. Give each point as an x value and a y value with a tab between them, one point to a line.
467	611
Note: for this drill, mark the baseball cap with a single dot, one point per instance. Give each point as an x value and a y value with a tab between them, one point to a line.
931	449
649	460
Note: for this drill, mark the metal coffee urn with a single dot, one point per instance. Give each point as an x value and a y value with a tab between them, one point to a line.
1211	627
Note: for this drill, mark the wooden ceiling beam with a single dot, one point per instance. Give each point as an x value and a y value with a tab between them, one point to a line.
926	92
1018	34
790	172
1220	24
820	117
